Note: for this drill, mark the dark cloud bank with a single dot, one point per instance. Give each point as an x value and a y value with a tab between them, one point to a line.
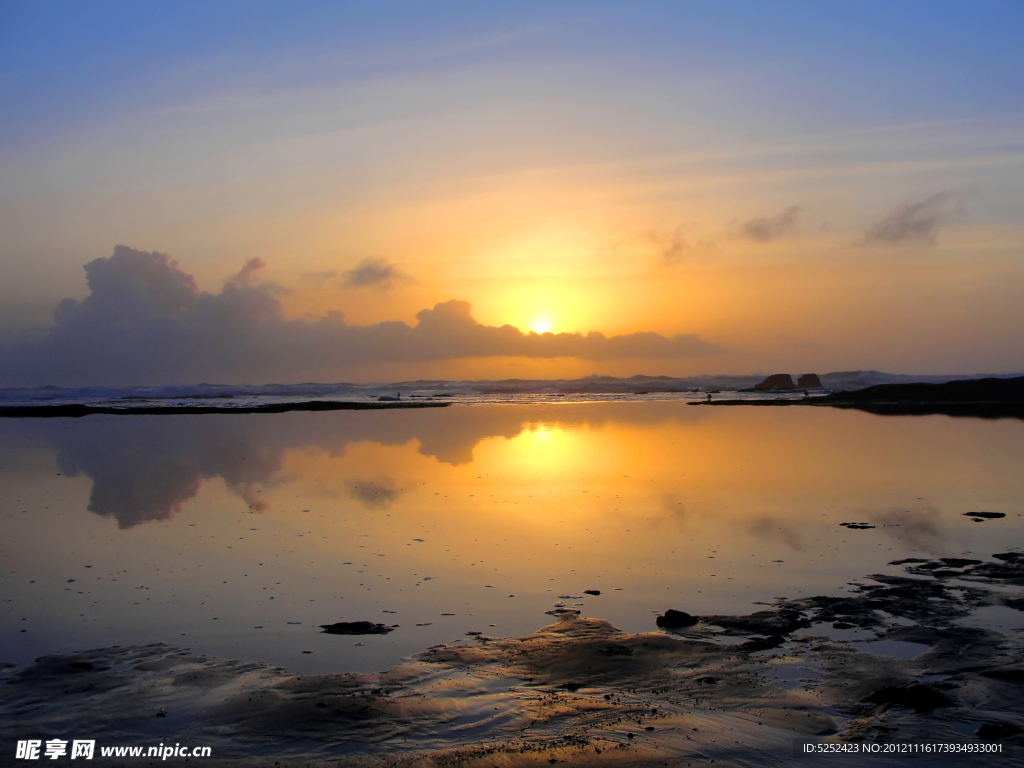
146	322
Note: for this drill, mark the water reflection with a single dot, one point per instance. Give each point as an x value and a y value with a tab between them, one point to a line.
209	526
145	468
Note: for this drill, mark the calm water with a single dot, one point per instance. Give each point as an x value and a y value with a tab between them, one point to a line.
239	535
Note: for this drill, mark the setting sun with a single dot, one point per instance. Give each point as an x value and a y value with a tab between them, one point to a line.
542	325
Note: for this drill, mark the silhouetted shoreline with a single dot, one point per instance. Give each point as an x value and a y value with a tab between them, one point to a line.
76	410
991	398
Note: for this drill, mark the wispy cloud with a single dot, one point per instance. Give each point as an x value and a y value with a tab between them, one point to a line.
915	223
374	273
764	229
674	248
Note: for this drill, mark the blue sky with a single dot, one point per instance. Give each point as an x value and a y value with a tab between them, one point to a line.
68	63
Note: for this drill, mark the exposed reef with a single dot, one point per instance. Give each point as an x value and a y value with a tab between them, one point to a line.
356	628
75	410
733	689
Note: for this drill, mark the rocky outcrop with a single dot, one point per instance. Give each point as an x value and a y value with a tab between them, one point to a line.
809	381
777	381
674	619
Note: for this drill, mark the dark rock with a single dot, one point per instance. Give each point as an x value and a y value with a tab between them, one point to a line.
776	381
1010	570
809	381
49	667
1009	557
571	687
1009	675
857	526
991	390
997	731
674	619
762	643
959	562
986	515
356	628
917	697
707	680
594	592
771	622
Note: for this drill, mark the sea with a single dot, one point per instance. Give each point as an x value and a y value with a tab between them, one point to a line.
241	535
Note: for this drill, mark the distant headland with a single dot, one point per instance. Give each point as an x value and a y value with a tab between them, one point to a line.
990	397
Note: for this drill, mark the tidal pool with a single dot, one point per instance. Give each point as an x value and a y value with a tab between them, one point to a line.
238	535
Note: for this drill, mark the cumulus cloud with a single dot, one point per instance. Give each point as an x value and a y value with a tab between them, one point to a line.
764	229
374	273
146	322
915	223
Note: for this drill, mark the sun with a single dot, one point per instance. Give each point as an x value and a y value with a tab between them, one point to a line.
542	325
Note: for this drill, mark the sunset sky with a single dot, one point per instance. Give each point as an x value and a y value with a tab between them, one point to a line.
767	186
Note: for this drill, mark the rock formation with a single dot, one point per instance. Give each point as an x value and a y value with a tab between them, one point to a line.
809	381
777	381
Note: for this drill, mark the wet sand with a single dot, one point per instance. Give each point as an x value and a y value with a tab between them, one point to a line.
897	659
